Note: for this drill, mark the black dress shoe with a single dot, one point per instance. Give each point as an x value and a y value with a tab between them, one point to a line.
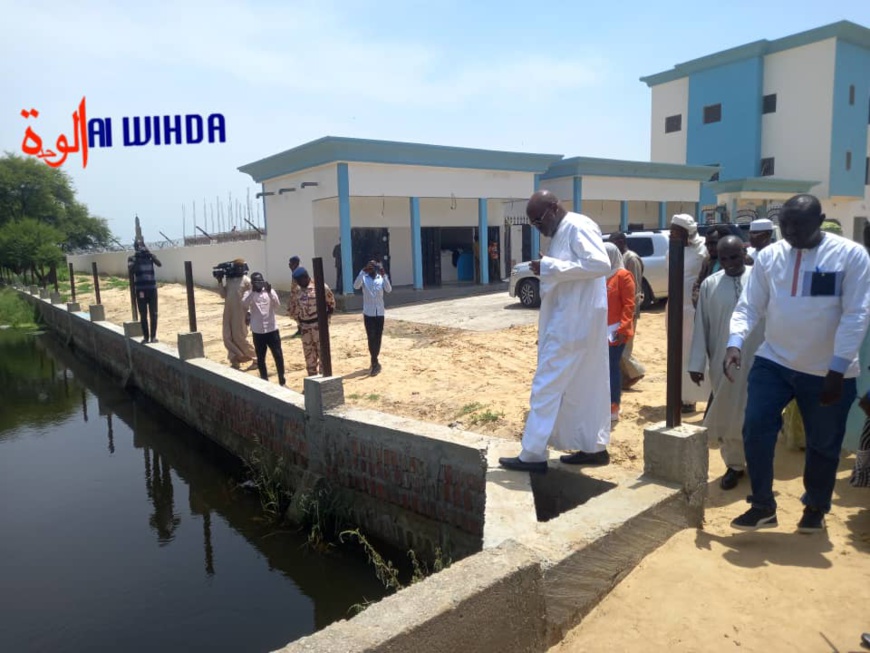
582	458
376	369
731	478
521	466
688	409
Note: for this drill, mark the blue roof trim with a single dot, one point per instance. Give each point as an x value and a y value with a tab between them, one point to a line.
582	165
761	185
844	30
332	149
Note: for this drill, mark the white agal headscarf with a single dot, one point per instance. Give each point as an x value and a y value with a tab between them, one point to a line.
688	223
615	255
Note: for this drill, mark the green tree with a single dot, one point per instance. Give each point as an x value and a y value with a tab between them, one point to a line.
31	189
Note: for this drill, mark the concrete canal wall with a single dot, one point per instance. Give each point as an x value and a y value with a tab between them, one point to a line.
546	549
411	484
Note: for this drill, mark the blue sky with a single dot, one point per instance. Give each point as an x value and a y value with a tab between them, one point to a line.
555	77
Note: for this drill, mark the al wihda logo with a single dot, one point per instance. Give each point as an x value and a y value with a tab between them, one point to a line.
189	129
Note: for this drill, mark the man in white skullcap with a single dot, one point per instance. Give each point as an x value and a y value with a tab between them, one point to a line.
760	235
696	254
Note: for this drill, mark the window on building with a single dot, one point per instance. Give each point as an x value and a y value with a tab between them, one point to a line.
712	113
848	160
673	123
851	94
769	104
767	167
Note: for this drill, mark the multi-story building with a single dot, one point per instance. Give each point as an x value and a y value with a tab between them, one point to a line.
778	117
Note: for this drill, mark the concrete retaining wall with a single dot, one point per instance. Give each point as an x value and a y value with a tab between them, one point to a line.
411	484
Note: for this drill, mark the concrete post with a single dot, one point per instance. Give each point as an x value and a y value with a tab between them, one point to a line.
679	455
535	234
190	345
577	194
416	243
33	290
483	239
56	298
623	215
43	293
97	312
73	307
132	329
322	394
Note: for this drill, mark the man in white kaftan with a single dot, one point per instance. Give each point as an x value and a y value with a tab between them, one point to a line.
717	299
570	398
695	255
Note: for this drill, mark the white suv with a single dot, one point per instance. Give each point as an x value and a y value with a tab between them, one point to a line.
651	246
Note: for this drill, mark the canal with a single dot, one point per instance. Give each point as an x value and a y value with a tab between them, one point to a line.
122	529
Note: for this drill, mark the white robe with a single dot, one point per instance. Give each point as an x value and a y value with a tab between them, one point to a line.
570	399
716	302
695	255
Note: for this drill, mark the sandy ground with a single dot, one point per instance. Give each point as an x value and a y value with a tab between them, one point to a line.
704	590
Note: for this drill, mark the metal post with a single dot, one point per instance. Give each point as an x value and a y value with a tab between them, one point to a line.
133	297
96	280
676	266
72	282
53	273
191	304
322	317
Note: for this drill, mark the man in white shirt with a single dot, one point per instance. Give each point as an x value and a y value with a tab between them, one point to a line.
374	282
812	288
569	406
262	301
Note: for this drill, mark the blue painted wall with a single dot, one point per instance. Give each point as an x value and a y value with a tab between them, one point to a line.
849	128
735	141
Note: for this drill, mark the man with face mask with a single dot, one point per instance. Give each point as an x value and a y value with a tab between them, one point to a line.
570	400
812	287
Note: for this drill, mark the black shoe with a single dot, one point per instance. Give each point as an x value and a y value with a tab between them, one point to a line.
813	521
376	369
583	458
521	466
145	341
731	478
154	340
755	518
282	381
687	409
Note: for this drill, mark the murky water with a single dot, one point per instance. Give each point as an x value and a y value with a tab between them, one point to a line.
123	530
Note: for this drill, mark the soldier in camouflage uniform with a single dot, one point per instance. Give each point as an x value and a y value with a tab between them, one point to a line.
303	309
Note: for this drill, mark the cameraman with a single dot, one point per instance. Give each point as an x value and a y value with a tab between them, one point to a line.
374	282
262	301
141	265
235	329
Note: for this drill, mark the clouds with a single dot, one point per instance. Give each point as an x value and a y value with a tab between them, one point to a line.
304	49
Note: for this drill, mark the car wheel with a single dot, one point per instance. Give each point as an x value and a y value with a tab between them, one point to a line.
529	293
649	299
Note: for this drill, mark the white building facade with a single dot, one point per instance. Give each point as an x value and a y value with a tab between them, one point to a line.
431	213
778	118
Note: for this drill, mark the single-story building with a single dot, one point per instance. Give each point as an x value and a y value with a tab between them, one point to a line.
427	211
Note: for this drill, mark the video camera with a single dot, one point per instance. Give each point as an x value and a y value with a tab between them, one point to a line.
230	270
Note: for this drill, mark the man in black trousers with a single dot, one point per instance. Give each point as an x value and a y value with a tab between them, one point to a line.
374	282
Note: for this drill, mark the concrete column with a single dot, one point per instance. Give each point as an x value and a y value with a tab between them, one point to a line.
663	217
623	215
34	290
190	345
416	243
536	235
322	394
679	455
483	235
73	307
344	229
97	312
133	330
56	298
43	293
578	194
697	211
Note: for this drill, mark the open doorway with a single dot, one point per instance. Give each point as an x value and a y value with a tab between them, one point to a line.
457	254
